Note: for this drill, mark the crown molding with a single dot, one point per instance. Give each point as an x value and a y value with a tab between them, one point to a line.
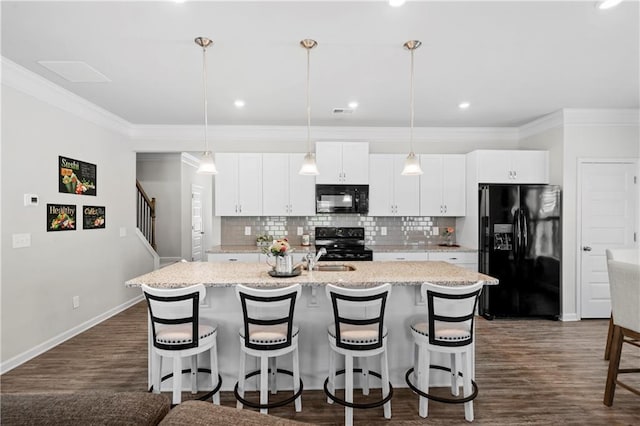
28	82
601	117
542	124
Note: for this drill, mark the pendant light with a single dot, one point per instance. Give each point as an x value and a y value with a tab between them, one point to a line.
309	166
411	164
207	166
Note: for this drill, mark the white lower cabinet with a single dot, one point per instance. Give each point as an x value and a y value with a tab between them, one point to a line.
399	256
233	257
465	259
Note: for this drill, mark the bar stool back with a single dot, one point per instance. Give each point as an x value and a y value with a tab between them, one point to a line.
449	329
358	331
177	332
268	332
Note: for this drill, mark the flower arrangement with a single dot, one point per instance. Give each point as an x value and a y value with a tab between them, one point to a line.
280	247
448	231
264	240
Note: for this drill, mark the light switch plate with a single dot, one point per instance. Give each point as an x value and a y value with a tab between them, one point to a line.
247	230
383	230
123	232
300	230
21	240
435	230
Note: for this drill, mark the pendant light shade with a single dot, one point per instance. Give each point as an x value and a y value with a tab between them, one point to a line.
309	166
207	166
411	164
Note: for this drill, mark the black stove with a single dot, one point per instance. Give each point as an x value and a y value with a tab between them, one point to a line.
342	243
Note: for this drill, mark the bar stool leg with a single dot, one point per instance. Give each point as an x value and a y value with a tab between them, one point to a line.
614	365
348	389
213	356
466	382
456	364
365	374
177	379
296	379
385	382
264	388
194	374
423	377
157	360
241	374
273	375
332	374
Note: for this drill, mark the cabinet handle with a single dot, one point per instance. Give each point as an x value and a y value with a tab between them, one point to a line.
445	208
232	259
236	208
240	208
515	174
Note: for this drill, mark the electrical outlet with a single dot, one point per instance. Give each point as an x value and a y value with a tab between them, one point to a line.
123	232
247	230
76	302
383	230
435	231
300	230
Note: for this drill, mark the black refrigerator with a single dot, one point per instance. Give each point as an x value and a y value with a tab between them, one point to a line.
520	244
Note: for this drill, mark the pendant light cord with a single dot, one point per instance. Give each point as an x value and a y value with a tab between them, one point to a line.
308	103
204	83
412	109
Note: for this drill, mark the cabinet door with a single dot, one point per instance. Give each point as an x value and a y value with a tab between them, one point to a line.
406	189
530	166
226	184
275	184
355	163
431	185
381	185
250	184
302	189
329	161
453	185
494	167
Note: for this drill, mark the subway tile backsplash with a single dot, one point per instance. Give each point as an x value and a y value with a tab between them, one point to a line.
403	230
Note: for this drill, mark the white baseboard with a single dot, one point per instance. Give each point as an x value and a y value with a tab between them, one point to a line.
569	317
14	362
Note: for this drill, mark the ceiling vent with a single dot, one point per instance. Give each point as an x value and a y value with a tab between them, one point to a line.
341	111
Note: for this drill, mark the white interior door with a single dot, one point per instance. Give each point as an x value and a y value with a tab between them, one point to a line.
197	231
608	219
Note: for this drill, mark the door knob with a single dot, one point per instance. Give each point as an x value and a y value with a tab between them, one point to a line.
586	248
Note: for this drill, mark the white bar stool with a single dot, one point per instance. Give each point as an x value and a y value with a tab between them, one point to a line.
358	331
177	333
268	332
448	329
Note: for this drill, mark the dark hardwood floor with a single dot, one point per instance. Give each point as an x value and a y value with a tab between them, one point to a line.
533	372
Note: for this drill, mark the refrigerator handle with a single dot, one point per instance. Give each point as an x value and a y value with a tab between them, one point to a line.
516	234
524	231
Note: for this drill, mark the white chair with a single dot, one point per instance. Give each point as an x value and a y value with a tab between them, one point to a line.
628	255
449	329
177	332
624	284
358	331
268	332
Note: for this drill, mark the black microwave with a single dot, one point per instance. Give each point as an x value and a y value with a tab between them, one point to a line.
342	199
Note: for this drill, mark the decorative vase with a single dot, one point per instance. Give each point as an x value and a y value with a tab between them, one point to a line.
450	240
284	264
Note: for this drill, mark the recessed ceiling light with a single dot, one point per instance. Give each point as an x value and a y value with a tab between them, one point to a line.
396	3
464	105
239	103
353	105
608	4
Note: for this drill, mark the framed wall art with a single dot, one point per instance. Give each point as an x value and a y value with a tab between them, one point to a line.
61	217
76	177
93	217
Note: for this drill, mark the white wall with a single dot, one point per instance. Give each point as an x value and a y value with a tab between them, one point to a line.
39	282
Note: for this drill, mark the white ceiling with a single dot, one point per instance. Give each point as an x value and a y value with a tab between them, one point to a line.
513	60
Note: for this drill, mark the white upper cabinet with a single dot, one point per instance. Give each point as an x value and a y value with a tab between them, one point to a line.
442	185
390	193
284	191
238	185
342	163
496	166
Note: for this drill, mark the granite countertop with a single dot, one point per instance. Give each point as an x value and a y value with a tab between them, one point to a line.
367	274
419	248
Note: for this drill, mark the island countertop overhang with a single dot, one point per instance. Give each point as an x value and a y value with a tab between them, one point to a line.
366	274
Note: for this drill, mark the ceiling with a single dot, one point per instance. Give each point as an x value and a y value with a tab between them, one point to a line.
513	61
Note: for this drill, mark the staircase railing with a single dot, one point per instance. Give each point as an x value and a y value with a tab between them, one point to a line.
146	217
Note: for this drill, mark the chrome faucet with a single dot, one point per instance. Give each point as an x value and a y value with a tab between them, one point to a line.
311	260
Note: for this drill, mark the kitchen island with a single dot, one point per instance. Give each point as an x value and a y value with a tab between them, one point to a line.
313	310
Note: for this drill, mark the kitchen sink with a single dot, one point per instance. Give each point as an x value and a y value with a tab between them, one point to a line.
334	268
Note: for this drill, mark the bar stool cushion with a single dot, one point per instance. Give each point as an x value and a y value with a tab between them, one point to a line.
448	332
355	334
181	333
266	334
